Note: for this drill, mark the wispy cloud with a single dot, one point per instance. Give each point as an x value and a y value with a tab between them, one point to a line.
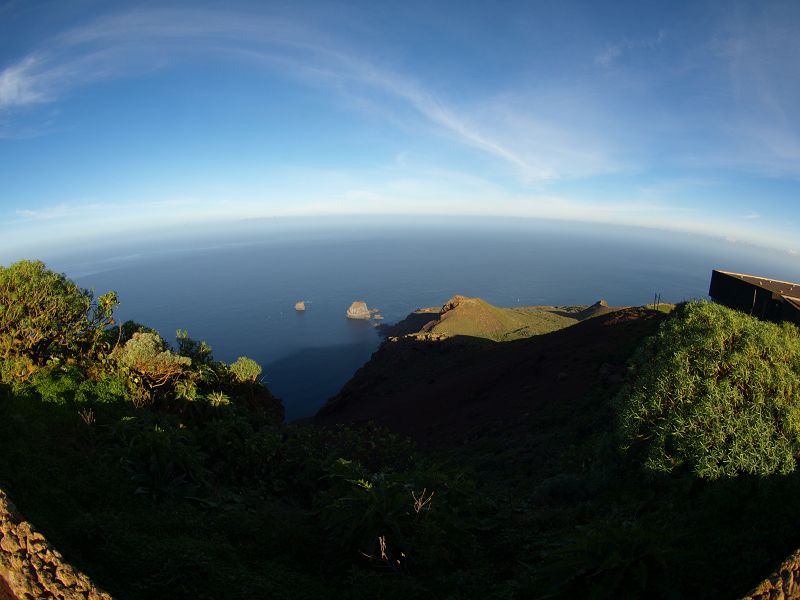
396	188
18	85
613	52
761	57
130	43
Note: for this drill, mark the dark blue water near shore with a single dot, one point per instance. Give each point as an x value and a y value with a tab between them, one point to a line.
238	290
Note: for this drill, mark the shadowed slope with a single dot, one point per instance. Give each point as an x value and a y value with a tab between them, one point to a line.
445	391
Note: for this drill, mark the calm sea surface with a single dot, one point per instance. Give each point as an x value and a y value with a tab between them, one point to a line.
237	289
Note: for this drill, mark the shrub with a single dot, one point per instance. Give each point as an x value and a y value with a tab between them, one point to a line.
162	460
149	363
125	332
107	389
44	314
245	370
398	522
16	368
218	399
715	391
57	386
146	353
199	352
608	559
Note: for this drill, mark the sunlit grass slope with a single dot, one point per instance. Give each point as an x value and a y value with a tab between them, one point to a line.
475	317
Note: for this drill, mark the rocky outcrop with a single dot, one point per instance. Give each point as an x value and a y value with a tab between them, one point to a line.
358	310
300	306
31	568
783	584
455	301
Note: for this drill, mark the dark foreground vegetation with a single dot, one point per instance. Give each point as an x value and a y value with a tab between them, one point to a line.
162	472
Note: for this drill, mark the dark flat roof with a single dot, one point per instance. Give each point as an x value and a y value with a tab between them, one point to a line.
791	291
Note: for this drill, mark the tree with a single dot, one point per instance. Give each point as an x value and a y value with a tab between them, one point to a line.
199	352
44	314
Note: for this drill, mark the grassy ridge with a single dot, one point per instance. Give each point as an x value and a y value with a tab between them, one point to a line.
474	317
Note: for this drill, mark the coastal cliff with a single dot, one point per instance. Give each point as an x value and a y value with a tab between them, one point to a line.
438	388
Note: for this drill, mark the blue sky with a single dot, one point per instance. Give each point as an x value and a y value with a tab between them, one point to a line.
115	117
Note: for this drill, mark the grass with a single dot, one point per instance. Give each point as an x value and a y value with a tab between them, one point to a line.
474	317
716	391
664	307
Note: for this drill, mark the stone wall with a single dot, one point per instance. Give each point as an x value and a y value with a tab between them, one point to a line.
31	568
783	584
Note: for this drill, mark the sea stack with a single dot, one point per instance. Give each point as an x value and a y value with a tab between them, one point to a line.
300	306
358	310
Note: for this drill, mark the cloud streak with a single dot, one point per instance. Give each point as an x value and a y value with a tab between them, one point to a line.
18	84
389	191
613	52
131	43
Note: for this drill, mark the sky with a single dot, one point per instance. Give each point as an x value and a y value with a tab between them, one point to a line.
118	118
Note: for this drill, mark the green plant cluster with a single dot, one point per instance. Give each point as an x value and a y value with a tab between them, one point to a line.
148	464
191	486
44	316
716	391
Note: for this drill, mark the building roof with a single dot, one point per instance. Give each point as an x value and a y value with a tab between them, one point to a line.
790	291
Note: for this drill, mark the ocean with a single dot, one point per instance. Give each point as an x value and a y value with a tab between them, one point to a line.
236	286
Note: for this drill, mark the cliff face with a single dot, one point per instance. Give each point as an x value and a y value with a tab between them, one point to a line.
31	568
440	390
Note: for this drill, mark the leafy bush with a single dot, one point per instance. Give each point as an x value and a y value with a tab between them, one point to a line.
16	368
125	332
162	461
150	363
245	370
399	522
199	352
61	385
715	391
57	386
607	560
218	399
44	314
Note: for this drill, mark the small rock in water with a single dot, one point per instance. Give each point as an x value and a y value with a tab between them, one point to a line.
300	306
358	310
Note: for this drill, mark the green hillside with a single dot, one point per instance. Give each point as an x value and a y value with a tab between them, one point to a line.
474	317
602	460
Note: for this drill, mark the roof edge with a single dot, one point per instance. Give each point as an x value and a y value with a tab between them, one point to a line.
755	277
